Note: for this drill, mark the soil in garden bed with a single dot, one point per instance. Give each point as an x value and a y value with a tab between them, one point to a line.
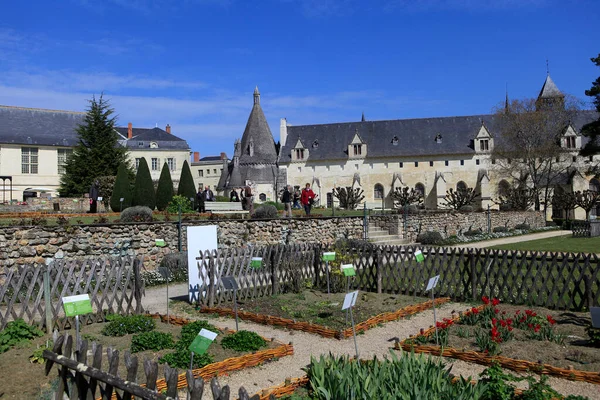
21	379
575	352
324	309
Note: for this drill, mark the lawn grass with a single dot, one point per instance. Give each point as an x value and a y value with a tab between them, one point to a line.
565	243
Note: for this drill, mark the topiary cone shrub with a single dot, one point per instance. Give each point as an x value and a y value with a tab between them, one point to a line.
143	189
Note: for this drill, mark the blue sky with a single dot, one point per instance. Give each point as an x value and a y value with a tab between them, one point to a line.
194	63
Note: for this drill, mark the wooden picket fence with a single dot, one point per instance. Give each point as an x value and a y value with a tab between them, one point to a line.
568	281
78	379
34	292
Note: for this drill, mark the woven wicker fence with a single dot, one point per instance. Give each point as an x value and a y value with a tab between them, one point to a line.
35	292
569	281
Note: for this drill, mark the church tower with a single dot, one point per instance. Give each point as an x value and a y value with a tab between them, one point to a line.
550	96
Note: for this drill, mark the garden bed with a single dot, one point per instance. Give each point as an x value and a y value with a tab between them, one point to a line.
321	313
518	338
28	380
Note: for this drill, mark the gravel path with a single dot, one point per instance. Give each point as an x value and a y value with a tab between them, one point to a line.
376	341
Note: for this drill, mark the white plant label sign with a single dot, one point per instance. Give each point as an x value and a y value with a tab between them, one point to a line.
350	300
432	283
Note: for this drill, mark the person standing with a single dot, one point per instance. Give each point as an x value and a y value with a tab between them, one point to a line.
94	193
307	198
208	194
296	199
286	199
200	198
249	199
233	196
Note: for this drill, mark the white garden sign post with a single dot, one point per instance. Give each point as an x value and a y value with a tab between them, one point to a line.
349	302
430	287
75	306
348	271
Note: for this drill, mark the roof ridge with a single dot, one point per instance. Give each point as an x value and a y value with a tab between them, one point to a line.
42	109
392	120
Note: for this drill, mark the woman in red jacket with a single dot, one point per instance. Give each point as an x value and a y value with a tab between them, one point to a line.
307	198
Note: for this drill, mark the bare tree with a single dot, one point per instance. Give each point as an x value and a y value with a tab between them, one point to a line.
460	198
349	198
565	201
587	200
519	198
529	143
406	196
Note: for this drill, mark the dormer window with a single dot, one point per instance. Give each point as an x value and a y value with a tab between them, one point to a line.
140	144
299	151
357	149
395	141
484	145
153	145
570	141
438	138
315	144
299	154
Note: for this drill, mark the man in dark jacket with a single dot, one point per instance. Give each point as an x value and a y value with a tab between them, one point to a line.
286	199
208	194
200	200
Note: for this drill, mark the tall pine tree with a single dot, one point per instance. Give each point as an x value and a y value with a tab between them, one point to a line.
592	130
143	189
98	152
164	191
186	185
121	190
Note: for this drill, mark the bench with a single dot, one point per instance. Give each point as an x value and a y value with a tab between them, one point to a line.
222	207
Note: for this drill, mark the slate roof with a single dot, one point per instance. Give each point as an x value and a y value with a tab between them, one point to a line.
42	127
416	137
210	158
146	135
257	130
20	125
549	89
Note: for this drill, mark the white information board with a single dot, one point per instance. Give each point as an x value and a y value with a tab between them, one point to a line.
199	239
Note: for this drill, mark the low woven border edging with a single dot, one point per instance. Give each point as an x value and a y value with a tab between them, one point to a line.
229	365
321	330
505	362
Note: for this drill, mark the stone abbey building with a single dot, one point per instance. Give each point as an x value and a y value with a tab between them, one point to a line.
431	155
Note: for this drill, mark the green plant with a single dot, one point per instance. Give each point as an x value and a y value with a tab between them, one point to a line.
62	220
164	190
462	333
180	201
430	237
523	227
121	190
152	340
485	342
39	221
348	197
539	390
121	325
143	188
594	334
243	341
406	377
265	211
497	381
105	188
500	229
457	199
473	232
137	214
37	356
101	220
278	206
186	187
180	358
17	332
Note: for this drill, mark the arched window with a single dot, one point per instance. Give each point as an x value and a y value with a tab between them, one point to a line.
419	187
262	197
378	191
461	186
503	188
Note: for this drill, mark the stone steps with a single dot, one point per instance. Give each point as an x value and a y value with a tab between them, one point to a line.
382	237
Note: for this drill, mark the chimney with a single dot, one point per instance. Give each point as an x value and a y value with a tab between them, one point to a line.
223	156
196	153
129	130
168	129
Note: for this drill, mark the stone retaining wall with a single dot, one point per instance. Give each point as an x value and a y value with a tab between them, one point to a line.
25	245
450	223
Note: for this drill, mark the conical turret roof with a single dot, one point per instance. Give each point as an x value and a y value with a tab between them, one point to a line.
549	90
258	146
